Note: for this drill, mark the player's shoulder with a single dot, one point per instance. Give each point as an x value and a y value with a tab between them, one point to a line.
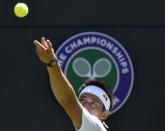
90	122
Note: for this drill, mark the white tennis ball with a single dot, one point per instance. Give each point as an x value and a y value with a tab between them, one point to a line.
21	10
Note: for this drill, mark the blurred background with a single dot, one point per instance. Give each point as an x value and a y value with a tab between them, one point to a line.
26	100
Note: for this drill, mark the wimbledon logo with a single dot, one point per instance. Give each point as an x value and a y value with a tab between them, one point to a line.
91	55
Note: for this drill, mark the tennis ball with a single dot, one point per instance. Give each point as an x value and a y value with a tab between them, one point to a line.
21	10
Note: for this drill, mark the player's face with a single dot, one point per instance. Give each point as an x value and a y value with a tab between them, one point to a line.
92	103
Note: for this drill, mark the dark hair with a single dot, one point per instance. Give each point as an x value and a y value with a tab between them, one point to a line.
101	85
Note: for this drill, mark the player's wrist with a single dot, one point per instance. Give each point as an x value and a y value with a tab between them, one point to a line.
52	63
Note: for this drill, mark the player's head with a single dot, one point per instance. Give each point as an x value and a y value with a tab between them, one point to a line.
96	98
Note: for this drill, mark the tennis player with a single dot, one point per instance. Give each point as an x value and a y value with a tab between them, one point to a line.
87	111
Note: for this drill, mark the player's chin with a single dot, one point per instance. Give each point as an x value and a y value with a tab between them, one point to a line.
92	112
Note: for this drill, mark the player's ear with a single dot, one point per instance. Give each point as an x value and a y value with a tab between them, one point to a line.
105	115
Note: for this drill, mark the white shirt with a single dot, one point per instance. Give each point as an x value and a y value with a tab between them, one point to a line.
90	122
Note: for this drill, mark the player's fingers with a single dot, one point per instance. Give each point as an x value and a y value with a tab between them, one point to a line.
39	45
49	44
43	42
41	54
42	51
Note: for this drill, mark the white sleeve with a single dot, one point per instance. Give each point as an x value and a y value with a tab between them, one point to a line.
90	122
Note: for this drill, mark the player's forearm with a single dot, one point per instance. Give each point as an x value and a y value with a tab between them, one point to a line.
61	87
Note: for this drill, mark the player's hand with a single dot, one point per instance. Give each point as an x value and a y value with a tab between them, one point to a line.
44	50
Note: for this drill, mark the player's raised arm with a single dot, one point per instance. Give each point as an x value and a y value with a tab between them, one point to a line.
61	87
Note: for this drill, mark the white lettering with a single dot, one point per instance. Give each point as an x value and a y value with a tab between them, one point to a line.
98	41
125	70
114	50
122	59
60	62
124	64
79	43
62	56
109	45
119	55
68	50
93	40
73	46
103	42
86	40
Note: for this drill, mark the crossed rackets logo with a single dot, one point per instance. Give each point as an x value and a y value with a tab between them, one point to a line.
101	68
